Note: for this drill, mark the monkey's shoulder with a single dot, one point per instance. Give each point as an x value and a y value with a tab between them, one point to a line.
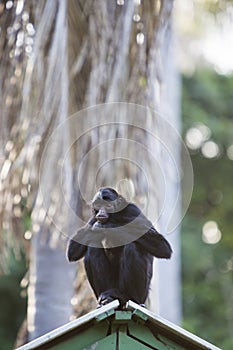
132	210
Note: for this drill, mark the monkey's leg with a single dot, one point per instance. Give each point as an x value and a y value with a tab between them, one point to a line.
99	273
135	273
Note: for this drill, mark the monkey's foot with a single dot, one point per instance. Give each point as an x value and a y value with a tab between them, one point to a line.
104	300
109	295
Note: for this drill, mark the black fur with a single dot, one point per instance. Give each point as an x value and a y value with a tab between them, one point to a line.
123	271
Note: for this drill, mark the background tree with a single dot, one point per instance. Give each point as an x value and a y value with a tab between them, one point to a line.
207	120
58	58
207	228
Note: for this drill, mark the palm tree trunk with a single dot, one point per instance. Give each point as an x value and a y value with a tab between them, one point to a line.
50	288
84	53
165	297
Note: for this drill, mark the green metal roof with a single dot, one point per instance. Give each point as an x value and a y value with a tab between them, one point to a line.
108	328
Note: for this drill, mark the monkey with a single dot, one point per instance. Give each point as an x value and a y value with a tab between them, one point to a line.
118	244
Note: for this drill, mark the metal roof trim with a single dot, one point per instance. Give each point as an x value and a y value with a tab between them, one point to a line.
69	326
171	327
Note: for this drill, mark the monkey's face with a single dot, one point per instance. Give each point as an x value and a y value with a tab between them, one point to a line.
107	207
103	204
102	212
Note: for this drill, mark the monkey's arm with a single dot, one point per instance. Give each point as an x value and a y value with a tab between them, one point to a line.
155	244
148	237
76	250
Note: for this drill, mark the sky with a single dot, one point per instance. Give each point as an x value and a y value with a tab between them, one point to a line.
203	38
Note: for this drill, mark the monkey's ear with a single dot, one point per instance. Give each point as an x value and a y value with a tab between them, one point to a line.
75	251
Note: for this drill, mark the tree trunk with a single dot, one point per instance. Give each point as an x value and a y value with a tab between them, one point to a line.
165	297
87	53
50	288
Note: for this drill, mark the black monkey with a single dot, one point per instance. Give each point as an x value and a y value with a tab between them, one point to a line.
118	244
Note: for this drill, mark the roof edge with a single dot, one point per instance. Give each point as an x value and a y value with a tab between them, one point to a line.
171	327
108	310
69	326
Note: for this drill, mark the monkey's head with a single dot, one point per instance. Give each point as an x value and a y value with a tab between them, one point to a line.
105	203
116	221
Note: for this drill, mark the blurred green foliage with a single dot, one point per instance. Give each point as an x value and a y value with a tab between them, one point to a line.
208	99
12	304
208	268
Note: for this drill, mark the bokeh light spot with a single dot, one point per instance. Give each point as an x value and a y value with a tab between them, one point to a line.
194	138
211	233
210	149
230	152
